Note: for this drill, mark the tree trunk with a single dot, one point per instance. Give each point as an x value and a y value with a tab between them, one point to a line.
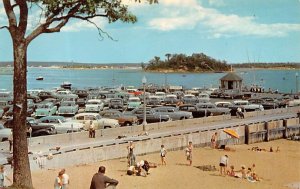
21	175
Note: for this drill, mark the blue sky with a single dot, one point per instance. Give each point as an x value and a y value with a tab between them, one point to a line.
231	30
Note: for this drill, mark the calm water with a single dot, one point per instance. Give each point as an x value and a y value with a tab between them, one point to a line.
283	80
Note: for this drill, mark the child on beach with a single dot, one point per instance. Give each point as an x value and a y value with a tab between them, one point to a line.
213	140
163	153
130	156
188	152
231	172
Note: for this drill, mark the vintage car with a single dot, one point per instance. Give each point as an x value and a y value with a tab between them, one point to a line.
81	102
211	109
151	116
124	120
190	99
94	105
5	104
116	103
153	101
67	108
173	112
171	100
4	133
45	109
46	94
203	97
98	121
266	102
81	93
133	102
161	95
61	124
36	128
223	104
245	106
65	94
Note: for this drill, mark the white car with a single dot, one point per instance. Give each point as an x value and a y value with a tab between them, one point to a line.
61	124
246	106
4	133
98	121
94	105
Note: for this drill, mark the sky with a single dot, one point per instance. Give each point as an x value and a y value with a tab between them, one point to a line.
237	31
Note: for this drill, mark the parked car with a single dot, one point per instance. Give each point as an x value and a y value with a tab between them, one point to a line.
153	101
116	103
46	94
266	102
161	95
232	94
61	124
133	102
99	122
245	106
173	112
171	100
203	97
211	109
9	113
81	93
1	113
65	94
37	129
45	109
124	120
67	108
189	99
4	133
81	102
151	116
94	105
223	104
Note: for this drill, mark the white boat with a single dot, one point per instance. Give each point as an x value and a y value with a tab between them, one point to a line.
40	78
66	85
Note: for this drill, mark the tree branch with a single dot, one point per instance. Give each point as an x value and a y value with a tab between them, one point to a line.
10	15
100	31
23	16
4	27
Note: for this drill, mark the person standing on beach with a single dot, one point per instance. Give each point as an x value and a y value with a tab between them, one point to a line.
58	183
130	156
66	179
213	140
189	153
100	181
92	131
163	153
223	164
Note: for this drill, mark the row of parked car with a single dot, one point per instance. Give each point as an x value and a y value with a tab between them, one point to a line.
113	108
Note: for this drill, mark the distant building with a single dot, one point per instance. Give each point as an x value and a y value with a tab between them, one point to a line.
231	81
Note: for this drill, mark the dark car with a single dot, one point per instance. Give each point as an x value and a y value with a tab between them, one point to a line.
37	130
151	116
116	103
46	94
124	120
81	93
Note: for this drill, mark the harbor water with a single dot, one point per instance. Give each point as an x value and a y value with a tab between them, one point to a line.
282	80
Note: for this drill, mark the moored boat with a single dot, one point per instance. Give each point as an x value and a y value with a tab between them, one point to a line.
40	78
66	85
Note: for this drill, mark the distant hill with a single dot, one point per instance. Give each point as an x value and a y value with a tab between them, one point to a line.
268	65
74	64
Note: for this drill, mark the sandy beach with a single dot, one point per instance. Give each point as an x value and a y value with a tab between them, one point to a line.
276	169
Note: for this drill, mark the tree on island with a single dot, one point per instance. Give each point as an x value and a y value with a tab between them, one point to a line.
54	15
198	62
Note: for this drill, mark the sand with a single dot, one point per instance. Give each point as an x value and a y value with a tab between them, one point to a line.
276	169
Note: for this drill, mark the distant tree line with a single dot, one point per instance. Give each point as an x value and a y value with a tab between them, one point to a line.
197	62
268	65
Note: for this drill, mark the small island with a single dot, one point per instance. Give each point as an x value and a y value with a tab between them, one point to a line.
197	62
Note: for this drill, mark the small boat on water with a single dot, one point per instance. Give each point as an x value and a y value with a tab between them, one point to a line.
40	78
66	85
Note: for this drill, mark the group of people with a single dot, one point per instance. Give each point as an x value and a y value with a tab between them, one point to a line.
62	180
142	167
248	174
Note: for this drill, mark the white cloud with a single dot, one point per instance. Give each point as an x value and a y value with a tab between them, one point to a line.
183	16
